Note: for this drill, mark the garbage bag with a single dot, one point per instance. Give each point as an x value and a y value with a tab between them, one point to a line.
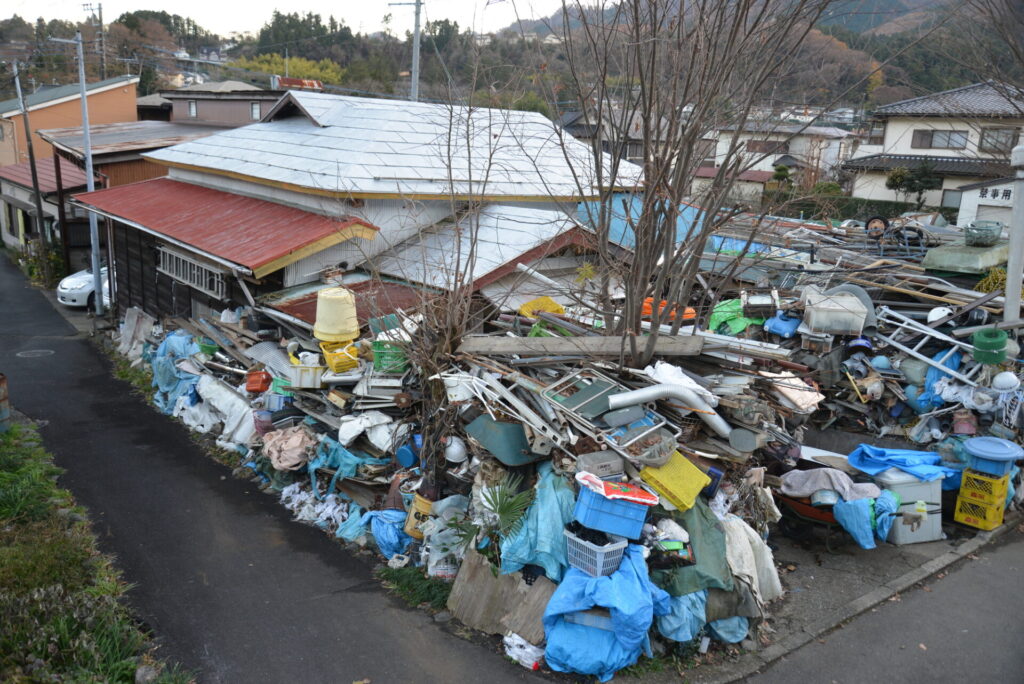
540	539
886	507
731	630
855	517
631	598
522	651
708	540
388	531
924	465
231	407
686	616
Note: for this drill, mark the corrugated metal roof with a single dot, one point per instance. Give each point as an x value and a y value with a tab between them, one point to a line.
790	129
127	136
71	176
372	147
474	246
989	99
35	100
946	166
750	175
261	236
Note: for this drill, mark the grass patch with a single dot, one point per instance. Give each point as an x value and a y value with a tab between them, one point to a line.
60	599
415	587
140	377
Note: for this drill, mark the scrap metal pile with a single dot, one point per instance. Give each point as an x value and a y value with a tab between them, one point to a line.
540	452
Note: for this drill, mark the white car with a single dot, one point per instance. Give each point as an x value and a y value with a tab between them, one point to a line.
77	289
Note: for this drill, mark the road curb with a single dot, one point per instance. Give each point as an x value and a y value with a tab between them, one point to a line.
807	633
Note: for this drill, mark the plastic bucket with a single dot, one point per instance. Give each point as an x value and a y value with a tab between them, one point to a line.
418	514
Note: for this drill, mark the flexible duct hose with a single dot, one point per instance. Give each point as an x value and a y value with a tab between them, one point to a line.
684	394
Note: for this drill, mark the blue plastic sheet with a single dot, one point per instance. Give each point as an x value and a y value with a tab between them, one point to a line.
686	617
331	454
625	210
924	465
866	519
928	400
731	630
170	381
388	531
540	539
633	601
353	527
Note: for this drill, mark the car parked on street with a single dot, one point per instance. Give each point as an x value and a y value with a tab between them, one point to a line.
77	289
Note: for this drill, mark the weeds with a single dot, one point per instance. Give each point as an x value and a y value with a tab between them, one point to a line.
416	588
139	377
60	599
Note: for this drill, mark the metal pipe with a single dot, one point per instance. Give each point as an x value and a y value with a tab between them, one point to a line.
1015	261
680	392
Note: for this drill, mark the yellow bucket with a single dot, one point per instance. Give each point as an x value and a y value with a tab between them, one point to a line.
418	514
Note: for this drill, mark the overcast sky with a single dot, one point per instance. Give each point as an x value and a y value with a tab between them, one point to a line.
224	16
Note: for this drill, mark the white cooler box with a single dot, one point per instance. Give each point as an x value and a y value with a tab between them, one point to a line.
912	490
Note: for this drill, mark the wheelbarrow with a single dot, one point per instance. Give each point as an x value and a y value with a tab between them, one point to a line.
799	515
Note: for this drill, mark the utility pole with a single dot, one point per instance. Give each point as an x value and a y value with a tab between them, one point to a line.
1015	262
101	41
90	181
44	256
414	89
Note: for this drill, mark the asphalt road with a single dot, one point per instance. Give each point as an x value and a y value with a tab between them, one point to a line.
963	627
230	585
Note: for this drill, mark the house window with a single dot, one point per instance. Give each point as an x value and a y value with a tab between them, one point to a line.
876	136
192	109
767	146
1006	194
951	198
939	140
997	140
254	111
193	273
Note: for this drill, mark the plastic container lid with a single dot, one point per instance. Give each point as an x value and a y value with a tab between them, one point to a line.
993	448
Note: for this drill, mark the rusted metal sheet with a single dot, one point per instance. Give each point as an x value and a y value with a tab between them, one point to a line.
21	174
127	136
249	232
374	298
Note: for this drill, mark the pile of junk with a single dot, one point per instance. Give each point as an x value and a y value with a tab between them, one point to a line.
585	509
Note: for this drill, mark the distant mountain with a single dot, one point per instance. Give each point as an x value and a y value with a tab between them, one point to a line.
880	17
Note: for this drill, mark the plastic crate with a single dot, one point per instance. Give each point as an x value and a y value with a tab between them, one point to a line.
596	561
307	377
389	358
340	356
601	463
598	618
613	516
985	489
978	515
679	481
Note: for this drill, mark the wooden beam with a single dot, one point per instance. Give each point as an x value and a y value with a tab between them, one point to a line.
666	345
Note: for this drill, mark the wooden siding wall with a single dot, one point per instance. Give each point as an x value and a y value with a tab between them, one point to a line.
123	173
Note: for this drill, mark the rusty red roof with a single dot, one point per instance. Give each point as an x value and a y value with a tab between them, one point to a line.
374	298
71	176
259	235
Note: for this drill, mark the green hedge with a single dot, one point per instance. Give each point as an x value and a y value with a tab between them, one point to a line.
842	208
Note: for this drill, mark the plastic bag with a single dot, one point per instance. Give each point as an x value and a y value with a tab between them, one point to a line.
540	539
388	531
523	652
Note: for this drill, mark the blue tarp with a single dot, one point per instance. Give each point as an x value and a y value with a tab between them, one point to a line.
928	400
686	618
865	519
388	531
633	601
924	465
540	539
170	381
331	454
626	207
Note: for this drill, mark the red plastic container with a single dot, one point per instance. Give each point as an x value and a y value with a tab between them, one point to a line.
257	381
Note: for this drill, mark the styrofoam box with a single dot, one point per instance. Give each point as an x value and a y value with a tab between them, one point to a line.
912	490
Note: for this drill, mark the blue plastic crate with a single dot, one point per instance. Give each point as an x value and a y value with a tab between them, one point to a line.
992	455
613	516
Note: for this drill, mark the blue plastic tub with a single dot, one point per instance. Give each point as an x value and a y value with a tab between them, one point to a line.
613	516
992	455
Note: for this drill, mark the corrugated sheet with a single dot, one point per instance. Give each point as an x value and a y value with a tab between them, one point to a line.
374	298
128	136
469	249
72	177
245	231
397	148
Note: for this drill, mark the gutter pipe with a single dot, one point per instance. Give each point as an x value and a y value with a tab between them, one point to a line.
680	392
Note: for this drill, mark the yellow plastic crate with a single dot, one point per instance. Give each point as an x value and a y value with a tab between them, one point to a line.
340	356
984	489
978	515
679	481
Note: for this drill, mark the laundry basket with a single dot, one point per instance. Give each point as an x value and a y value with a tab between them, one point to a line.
596	561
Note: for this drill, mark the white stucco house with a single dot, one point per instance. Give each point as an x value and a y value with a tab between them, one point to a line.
814	150
965	135
990	200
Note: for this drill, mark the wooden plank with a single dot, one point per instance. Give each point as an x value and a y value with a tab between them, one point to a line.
680	345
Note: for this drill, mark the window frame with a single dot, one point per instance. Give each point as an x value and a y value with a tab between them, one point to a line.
193	109
192	272
924	139
1014	138
254	110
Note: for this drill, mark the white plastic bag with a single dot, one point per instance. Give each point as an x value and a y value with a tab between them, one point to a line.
523	652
